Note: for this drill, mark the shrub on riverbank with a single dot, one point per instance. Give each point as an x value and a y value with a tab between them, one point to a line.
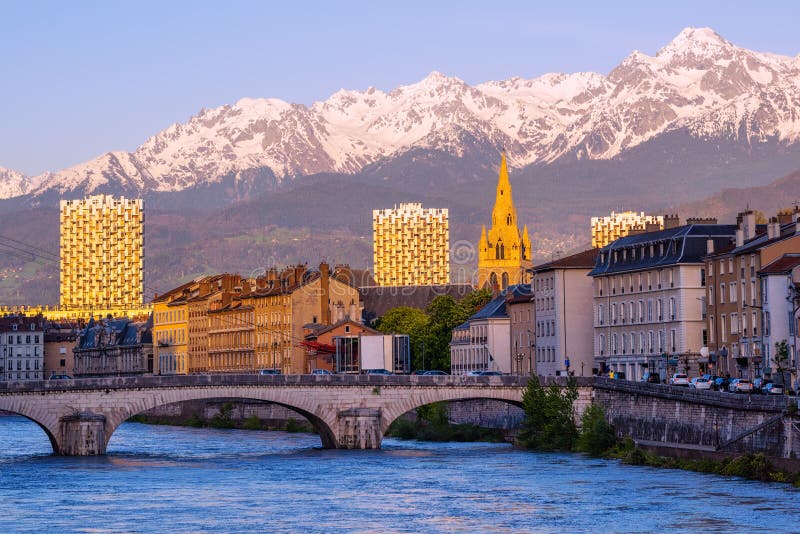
749	466
549	423
597	435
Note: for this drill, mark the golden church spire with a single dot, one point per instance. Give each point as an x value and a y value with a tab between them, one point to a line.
503	253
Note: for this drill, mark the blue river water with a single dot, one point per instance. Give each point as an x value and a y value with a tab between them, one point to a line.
173	479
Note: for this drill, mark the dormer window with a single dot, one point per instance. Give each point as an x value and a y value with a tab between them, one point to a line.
14	326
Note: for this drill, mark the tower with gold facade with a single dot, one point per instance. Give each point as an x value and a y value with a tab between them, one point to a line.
102	253
504	253
411	246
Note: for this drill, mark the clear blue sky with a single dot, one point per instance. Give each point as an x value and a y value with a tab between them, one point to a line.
81	78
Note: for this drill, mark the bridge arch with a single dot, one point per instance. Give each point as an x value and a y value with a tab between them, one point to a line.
302	405
47	422
412	402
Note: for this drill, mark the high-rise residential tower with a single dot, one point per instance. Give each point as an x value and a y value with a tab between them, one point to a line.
411	246
608	229
102	253
504	253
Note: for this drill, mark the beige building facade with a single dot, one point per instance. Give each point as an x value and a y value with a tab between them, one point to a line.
563	299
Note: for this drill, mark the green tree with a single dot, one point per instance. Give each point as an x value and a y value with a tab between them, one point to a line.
781	359
549	422
474	302
597	435
409	321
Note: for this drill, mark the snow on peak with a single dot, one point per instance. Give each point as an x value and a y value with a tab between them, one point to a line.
699	81
13	183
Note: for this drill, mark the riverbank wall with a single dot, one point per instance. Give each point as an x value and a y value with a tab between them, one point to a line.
695	424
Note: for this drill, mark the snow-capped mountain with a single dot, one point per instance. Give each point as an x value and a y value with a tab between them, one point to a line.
13	183
699	83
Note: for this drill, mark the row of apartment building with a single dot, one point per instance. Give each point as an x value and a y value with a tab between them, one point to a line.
699	297
33	348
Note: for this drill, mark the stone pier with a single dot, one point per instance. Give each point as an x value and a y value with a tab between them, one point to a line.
359	428
83	434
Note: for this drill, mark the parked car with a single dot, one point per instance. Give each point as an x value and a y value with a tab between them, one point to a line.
321	372
269	372
700	383
378	372
59	377
435	372
679	379
740	385
419	372
772	389
490	373
651	378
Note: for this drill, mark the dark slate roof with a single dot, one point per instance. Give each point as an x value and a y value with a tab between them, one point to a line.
462	326
760	240
519	293
495	309
683	244
582	260
115	332
378	300
782	265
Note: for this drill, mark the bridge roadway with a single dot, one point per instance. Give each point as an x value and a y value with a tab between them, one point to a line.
348	411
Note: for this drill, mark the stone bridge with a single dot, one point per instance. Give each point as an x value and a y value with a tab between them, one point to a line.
349	412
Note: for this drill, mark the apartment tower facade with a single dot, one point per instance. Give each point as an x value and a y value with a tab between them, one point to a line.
411	246
102	253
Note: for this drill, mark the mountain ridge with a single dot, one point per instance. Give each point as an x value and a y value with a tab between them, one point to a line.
699	82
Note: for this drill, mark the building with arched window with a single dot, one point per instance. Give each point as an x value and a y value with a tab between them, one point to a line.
504	253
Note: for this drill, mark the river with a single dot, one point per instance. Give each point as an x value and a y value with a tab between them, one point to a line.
174	479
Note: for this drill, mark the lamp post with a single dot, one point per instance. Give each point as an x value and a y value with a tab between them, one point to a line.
531	367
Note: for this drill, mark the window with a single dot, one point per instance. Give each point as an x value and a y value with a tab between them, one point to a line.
703	277
733	293
602	342
722	293
723	328
659	309
711	337
650	342
734	323
672	340
650	310
721	266
672	309
766	324
710	295
755	324
600	312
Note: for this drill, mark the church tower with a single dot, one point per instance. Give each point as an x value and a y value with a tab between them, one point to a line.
504	254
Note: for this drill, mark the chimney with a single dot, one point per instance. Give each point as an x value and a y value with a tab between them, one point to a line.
325	293
773	228
671	221
709	246
747	224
